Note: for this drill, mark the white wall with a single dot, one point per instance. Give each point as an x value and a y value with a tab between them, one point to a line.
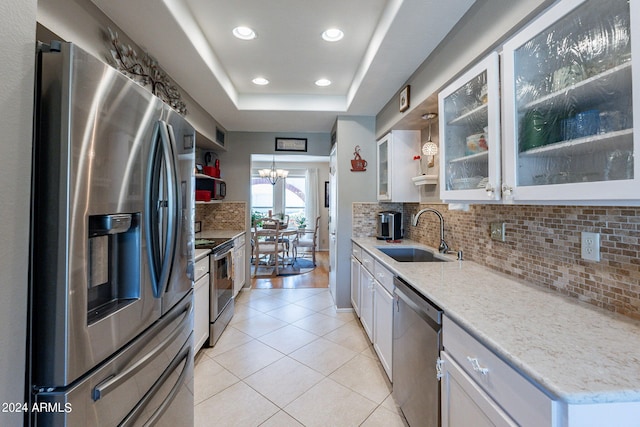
17	32
352	187
235	163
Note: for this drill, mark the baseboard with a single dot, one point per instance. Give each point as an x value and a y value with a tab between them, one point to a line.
344	310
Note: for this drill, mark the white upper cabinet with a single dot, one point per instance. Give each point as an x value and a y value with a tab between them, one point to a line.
568	104
470	134
396	167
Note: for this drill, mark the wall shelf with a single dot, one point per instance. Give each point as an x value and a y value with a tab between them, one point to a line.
425	179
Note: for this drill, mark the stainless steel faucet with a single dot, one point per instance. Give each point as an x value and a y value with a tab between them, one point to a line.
443	248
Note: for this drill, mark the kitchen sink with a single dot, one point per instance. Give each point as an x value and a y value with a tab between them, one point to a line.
411	254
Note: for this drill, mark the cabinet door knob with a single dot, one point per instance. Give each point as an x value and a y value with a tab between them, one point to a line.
490	191
507	191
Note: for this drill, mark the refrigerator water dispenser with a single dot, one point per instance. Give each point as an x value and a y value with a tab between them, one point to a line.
114	263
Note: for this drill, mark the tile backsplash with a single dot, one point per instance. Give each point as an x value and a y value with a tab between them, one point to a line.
222	216
364	217
542	246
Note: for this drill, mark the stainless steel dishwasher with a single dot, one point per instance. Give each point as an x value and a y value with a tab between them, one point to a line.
417	340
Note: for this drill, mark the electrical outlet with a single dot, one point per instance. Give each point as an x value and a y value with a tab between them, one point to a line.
590	246
497	231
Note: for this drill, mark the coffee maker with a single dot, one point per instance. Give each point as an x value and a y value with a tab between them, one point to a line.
389	225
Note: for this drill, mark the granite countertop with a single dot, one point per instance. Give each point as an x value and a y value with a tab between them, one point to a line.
201	253
214	234
577	352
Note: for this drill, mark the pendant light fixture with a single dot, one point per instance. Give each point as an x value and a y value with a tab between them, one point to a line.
273	174
430	148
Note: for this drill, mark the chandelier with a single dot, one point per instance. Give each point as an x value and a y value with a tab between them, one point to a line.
273	174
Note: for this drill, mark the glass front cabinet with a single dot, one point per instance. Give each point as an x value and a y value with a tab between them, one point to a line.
383	187
568	104
470	134
396	167
566	111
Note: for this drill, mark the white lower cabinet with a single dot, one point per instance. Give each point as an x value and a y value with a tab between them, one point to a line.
201	304
238	264
367	298
383	326
355	285
463	401
479	386
372	299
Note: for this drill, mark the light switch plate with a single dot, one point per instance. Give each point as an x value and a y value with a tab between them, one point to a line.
497	231
590	246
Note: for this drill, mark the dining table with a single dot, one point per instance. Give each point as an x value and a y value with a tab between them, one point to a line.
281	235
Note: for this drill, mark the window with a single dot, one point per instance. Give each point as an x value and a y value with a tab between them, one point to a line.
286	197
261	195
294	197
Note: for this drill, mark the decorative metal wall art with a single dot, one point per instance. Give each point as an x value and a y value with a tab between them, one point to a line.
145	71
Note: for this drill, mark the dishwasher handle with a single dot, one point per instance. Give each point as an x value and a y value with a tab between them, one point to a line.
425	308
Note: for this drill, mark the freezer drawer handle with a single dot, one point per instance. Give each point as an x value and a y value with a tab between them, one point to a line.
114	381
185	354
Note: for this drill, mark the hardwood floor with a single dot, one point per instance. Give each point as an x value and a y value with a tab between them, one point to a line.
317	278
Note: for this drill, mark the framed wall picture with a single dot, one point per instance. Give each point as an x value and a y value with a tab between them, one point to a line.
405	93
326	194
291	144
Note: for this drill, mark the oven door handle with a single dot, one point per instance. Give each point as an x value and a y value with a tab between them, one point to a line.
218	257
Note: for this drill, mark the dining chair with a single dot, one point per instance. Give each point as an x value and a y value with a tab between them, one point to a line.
268	243
307	238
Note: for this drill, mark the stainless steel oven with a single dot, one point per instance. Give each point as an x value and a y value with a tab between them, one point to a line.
221	293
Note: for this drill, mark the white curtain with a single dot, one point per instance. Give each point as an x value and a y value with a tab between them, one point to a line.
312	199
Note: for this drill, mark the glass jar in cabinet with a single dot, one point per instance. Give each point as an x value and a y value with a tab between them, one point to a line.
470	134
569	104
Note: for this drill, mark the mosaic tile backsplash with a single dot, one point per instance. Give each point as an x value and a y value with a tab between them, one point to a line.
364	217
542	246
222	216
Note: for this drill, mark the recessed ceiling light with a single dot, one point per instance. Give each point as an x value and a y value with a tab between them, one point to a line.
260	81
323	82
244	33
332	35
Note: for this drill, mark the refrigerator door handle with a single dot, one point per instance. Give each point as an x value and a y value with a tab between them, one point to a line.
114	381
175	197
184	355
161	258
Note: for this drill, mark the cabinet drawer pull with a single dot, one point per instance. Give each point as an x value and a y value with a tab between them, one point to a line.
476	366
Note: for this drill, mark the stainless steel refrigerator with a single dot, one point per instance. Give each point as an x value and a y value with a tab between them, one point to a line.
111	300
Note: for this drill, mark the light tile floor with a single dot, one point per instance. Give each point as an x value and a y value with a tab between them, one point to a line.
289	359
